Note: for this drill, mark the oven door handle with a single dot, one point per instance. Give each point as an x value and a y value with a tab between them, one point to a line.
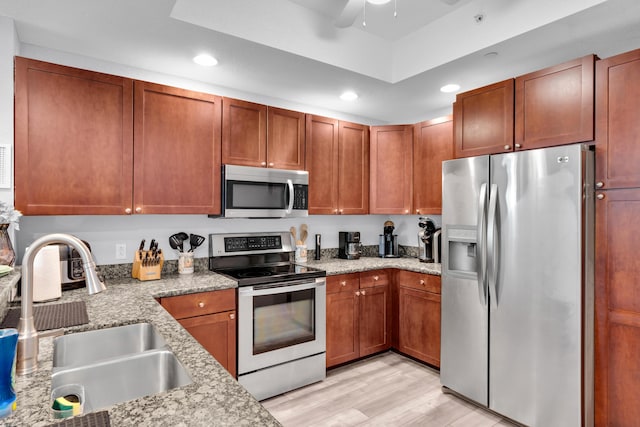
280	288
291	196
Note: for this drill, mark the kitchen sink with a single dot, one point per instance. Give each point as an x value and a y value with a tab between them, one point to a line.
92	346
116	364
124	378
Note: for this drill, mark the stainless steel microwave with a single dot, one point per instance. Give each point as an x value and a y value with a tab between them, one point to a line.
252	192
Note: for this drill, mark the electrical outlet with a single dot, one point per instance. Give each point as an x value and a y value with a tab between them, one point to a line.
121	251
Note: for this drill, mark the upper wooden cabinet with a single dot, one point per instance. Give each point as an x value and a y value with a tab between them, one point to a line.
257	135
483	120
77	153
177	150
618	124
73	140
391	169
549	107
432	144
338	164
554	106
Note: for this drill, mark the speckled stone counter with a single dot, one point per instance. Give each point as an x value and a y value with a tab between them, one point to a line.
214	398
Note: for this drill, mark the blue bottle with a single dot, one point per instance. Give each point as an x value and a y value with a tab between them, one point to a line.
8	346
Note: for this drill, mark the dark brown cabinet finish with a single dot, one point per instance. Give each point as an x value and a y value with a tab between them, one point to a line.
73	140
554	106
257	135
432	144
618	121
419	316
244	133
210	317
338	163
357	316
177	151
617	344
483	120
391	170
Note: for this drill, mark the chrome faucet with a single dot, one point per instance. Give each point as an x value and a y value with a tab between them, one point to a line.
27	358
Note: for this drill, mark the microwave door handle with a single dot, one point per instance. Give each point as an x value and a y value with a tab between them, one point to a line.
291	195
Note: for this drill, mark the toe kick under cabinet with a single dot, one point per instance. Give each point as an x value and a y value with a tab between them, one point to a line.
210	317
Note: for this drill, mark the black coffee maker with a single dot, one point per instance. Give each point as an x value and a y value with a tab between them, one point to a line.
428	240
388	247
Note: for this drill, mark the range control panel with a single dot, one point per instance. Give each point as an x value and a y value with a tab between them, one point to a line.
252	243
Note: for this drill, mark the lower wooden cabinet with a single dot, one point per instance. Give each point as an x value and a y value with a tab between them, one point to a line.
210	317
358	310
419	316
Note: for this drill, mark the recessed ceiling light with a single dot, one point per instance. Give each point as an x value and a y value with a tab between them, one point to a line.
349	96
450	88
491	54
378	1
205	60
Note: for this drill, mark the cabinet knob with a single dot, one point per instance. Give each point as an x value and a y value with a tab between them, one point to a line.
376	277
507	147
201	304
335	211
263	164
406	211
271	164
363	292
357	293
600	196
417	211
127	211
232	316
343	283
599	184
138	209
340	211
518	146
422	281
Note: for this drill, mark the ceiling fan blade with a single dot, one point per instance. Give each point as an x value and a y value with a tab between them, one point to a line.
450	2
349	13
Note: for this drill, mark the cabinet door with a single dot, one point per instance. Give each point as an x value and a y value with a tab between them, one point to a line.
618	127
391	169
177	151
353	169
322	164
244	133
419	324
73	140
285	139
342	327
617	308
217	334
433	144
483	120
554	106
375	328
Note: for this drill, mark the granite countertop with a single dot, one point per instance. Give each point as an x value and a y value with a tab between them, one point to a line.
214	397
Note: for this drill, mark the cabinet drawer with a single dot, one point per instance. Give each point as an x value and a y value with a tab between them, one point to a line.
414	280
369	279
343	283
191	305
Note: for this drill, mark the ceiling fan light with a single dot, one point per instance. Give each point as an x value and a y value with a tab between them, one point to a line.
378	1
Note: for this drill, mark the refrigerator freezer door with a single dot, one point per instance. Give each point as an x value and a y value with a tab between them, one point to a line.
465	329
536	282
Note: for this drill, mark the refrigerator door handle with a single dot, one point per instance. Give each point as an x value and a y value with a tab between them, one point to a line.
482	244
493	246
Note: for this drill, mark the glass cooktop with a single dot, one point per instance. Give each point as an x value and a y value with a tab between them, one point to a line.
271	273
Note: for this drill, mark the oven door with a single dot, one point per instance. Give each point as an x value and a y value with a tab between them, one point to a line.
280	322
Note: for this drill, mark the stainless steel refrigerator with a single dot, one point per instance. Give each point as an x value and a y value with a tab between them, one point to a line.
517	284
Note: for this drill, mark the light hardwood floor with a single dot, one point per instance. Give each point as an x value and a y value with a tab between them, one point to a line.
384	390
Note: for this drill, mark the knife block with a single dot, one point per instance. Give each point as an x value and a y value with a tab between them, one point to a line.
146	272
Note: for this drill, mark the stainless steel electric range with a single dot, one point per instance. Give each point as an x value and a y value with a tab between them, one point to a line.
281	311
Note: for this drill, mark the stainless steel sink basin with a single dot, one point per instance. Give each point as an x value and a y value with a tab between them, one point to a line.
116	364
92	346
125	378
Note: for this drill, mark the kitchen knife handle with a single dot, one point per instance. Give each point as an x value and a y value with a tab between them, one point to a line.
493	246
481	244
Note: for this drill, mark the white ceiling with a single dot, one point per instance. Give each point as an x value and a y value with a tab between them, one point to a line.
304	53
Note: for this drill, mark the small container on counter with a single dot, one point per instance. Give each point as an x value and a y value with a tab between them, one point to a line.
301	253
185	263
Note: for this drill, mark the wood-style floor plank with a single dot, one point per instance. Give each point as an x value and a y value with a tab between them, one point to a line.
384	390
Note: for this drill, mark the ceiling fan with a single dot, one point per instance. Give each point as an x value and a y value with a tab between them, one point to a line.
353	7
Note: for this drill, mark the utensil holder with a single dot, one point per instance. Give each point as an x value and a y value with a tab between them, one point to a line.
185	263
144	272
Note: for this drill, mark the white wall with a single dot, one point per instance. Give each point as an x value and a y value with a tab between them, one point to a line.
104	232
